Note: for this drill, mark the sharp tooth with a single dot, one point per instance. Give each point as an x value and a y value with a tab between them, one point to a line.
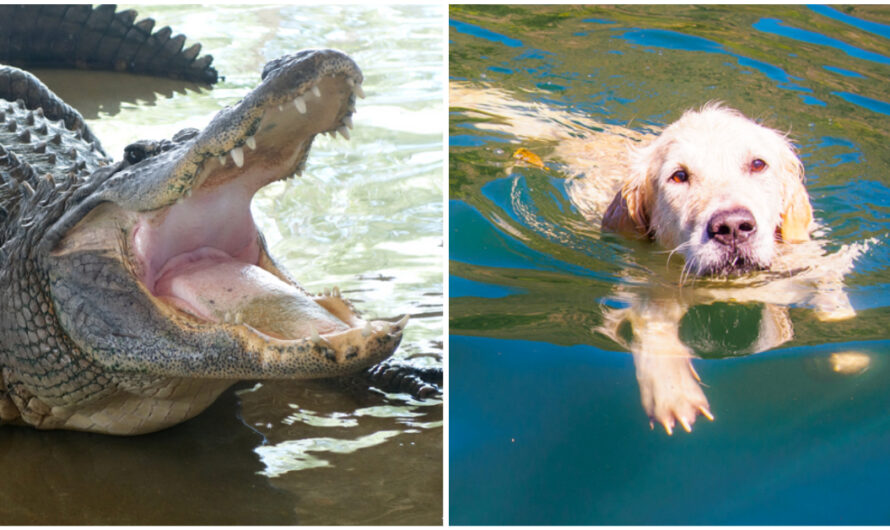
359	92
227	317
222	160
404	321
366	332
239	318
347	121
316	91
314	336
300	103
350	81
251	143
327	292
237	156
280	108
336	291
344	132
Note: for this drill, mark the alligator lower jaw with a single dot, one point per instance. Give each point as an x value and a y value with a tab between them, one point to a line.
202	258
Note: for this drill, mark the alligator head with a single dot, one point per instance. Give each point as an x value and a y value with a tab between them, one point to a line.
161	280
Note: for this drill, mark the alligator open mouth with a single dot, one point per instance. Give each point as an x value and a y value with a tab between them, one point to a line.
203	256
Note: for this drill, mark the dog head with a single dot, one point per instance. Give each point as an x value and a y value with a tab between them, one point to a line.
718	188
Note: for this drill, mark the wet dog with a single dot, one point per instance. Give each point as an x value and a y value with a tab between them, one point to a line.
715	187
728	195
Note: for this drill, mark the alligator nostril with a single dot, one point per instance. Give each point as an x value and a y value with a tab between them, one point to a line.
732	227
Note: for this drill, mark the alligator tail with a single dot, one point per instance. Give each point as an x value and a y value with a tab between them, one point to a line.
100	38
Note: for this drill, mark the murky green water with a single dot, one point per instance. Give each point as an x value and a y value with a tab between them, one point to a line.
366	216
546	425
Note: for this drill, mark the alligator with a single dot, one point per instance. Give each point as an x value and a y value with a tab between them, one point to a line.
133	293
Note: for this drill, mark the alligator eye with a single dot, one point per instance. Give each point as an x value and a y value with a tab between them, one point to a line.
134	153
680	176
757	165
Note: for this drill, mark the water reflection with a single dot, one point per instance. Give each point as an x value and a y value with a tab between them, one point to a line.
66	478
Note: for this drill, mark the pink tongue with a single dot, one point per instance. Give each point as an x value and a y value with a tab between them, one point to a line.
212	285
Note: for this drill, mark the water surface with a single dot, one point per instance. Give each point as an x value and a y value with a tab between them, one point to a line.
546	425
366	216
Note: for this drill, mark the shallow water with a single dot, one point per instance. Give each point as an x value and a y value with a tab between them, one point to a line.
366	216
546	425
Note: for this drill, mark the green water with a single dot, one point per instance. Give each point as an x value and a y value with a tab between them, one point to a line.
545	420
366	216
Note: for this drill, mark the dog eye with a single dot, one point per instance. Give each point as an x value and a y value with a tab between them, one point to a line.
680	176
757	165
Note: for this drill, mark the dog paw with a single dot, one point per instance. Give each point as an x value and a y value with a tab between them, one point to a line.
670	392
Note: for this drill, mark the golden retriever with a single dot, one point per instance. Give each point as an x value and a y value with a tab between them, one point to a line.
715	187
718	188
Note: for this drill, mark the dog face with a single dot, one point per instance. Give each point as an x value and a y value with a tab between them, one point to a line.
718	188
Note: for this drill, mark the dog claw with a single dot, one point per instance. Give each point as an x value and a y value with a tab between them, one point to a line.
694	373
706	413
685	425
669	428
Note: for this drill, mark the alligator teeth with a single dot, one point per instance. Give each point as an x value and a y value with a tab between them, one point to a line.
358	91
327	292
367	330
314	336
300	103
222	160
336	291
237	156
280	108
344	132
347	121
315	91
251	143
403	322
239	317
227	317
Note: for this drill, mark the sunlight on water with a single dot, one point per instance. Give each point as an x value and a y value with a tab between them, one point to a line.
295	454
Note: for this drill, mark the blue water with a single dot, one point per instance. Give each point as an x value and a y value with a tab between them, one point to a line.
546	425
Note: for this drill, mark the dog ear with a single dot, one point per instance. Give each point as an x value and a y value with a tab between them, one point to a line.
626	214
797	214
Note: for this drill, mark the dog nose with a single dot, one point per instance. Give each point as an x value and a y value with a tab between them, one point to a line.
732	227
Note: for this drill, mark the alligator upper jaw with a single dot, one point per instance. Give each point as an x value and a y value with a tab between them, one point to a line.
201	256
